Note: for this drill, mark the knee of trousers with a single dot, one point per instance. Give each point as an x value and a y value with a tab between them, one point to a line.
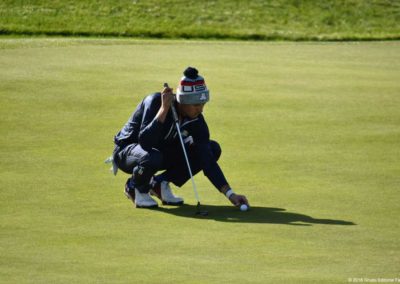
153	160
215	149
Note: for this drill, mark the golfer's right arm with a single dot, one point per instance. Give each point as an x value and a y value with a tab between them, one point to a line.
154	116
167	98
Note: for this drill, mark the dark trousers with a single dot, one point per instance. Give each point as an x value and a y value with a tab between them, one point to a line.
142	164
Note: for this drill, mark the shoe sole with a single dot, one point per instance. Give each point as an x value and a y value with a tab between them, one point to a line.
144	207
172	203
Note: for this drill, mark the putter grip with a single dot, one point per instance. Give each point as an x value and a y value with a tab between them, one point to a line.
176	119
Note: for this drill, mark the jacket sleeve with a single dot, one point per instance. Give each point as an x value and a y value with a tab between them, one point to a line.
150	128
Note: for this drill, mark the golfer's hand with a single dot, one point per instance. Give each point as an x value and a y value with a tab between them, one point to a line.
167	98
238	200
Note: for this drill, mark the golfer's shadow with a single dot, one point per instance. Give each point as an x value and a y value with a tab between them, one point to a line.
263	215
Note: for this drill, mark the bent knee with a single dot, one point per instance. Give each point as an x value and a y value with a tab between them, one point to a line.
215	149
153	159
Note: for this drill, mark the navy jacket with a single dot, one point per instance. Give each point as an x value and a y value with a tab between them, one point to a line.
143	128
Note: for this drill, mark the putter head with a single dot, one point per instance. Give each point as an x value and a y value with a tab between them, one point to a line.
200	212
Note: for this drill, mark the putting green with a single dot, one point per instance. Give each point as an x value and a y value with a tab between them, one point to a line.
310	133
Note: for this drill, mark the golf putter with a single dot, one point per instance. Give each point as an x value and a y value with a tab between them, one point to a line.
176	119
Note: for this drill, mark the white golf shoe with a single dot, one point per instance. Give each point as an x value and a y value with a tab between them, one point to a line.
144	200
141	200
164	193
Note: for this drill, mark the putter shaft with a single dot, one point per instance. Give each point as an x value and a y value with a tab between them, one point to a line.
176	119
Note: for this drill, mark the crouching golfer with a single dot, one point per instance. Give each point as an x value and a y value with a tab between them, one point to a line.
149	143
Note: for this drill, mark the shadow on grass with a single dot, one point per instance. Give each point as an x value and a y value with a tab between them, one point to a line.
261	215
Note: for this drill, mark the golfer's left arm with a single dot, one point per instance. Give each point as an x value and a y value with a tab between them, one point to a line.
236	199
214	173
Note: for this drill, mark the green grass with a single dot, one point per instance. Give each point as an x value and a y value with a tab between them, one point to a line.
226	19
310	133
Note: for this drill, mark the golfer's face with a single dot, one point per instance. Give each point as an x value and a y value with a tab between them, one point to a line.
192	111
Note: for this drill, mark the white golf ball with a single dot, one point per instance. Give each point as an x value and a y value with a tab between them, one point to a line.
243	207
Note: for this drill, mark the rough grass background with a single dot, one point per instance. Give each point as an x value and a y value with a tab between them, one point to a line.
235	19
